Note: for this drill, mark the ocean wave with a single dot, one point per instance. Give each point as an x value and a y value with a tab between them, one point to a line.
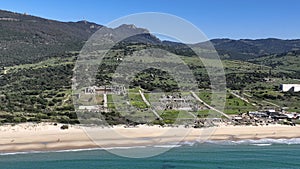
92	149
258	142
17	153
167	146
262	144
130	147
189	143
50	151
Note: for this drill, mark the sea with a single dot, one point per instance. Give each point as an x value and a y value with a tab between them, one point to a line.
246	154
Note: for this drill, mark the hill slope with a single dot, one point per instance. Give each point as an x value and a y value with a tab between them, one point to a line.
246	49
289	61
36	83
28	39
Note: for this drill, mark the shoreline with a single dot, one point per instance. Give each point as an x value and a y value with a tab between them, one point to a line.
45	137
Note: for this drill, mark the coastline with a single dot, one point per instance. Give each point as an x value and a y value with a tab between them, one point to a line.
29	137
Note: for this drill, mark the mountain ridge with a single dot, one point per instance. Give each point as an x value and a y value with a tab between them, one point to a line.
29	39
245	49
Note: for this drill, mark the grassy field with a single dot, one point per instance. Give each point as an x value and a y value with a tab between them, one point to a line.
175	116
275	99
136	99
110	102
233	104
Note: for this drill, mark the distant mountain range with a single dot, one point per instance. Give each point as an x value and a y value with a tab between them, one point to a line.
29	39
246	49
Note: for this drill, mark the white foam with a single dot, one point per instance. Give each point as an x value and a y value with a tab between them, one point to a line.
262	142
259	142
75	150
54	151
189	143
16	153
166	146
132	147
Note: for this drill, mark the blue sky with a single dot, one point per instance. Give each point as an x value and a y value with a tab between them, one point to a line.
216	18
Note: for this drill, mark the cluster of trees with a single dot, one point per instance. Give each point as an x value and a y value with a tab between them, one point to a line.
154	79
37	94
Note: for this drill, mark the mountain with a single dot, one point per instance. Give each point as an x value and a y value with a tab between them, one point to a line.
29	39
126	33
26	39
245	49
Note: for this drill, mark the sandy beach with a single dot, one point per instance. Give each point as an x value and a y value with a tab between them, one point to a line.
48	137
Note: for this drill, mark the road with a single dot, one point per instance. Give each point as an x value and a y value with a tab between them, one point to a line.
207	105
144	98
240	97
149	105
271	103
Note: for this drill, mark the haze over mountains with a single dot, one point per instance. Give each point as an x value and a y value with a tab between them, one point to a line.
30	39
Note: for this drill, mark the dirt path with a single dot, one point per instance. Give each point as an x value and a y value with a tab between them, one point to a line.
207	105
149	105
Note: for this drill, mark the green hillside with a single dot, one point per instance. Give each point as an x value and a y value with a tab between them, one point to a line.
37	61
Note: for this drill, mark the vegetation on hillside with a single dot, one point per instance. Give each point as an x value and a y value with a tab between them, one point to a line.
38	57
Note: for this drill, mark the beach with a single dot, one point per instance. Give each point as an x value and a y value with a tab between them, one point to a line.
48	137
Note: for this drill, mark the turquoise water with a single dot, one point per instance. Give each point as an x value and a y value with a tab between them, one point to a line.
206	156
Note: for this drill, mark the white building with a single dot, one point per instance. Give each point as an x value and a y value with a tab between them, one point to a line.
105	90
95	108
288	87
